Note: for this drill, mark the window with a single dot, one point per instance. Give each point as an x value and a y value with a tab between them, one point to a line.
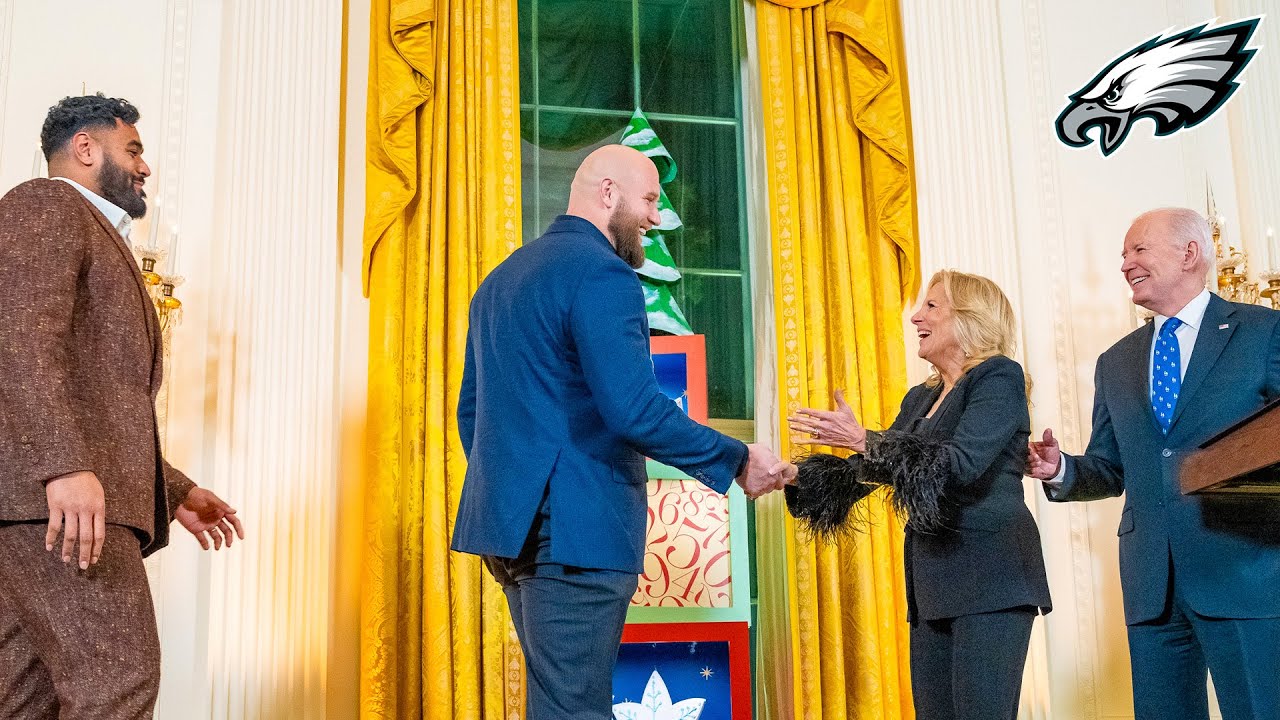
585	66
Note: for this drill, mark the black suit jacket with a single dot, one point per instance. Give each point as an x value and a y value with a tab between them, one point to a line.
987	556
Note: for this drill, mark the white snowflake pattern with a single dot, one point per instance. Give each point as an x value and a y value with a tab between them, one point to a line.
657	705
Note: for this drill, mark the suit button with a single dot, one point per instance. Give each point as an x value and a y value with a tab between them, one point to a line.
1167	452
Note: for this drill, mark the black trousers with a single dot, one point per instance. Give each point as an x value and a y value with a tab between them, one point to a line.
569	621
970	667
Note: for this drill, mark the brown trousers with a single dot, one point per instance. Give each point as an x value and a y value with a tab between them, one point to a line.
75	643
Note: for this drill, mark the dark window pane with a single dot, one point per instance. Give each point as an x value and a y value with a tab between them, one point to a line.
713	306
558	158
531	222
687	61
704	194
585	54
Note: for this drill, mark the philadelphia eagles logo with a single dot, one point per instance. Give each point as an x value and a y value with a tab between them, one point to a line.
1176	81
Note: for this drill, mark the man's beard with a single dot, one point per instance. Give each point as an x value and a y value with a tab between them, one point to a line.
625	227
116	184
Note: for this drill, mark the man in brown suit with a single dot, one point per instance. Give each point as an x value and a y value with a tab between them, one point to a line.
80	366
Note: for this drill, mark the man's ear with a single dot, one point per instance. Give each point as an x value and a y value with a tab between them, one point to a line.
608	193
1191	256
84	149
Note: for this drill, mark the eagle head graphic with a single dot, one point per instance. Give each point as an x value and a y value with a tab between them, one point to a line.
1177	81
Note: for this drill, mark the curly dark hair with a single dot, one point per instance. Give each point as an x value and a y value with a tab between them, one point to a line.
73	114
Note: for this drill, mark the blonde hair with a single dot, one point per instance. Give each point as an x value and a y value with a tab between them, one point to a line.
984	324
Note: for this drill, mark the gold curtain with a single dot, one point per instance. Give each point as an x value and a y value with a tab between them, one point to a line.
834	636
442	209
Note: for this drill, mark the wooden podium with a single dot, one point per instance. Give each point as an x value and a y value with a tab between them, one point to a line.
1243	459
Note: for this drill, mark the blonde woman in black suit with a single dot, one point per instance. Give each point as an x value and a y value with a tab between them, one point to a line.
954	458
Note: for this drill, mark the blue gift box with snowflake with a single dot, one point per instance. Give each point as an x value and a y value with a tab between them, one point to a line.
672	681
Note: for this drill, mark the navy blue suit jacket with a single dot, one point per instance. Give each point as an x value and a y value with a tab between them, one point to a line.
1225	550
559	396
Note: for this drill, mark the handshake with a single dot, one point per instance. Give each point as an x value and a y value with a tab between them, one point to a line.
764	472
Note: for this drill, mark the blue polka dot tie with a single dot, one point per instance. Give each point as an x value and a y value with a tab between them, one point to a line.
1166	374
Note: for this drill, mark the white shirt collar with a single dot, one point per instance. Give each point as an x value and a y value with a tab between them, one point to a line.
1191	314
115	215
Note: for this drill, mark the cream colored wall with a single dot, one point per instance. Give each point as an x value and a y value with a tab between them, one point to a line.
1001	196
241	112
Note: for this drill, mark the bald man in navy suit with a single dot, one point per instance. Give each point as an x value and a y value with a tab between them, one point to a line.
558	409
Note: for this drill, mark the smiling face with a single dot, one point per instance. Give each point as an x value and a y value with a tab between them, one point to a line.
1162	272
122	172
936	328
635	212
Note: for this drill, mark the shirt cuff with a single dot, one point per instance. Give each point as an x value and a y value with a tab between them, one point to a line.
1054	484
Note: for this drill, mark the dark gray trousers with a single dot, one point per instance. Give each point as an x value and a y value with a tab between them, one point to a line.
569	620
1172	656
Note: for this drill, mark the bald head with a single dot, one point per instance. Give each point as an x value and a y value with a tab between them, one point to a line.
616	189
1167	255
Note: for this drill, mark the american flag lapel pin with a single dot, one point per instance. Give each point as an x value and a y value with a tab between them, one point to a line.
1224	326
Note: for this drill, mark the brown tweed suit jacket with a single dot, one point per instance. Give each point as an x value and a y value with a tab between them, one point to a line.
80	364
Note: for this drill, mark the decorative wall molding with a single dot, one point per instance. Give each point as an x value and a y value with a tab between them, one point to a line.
167	182
1048	242
1255	136
6	52
173	136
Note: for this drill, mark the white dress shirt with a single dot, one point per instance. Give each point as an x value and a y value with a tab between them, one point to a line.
1191	315
115	215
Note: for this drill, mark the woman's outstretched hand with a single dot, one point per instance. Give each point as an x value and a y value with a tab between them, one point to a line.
831	428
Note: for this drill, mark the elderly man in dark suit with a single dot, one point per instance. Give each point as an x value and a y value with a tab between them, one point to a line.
1201	575
558	409
80	366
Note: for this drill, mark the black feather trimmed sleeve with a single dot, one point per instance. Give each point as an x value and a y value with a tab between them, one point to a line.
917	467
825	492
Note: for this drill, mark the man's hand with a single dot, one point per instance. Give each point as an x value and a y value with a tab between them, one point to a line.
76	500
1043	457
764	472
210	519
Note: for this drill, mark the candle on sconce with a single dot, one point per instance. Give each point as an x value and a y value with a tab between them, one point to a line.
154	230
1273	251
173	250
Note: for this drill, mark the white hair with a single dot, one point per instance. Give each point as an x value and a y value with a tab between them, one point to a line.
1183	225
